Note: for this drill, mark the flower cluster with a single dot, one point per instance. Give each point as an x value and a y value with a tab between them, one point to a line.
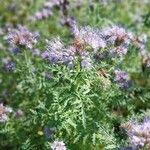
56	52
89	36
4	112
63	6
119	38
58	145
47	9
22	36
115	39
122	78
140	42
139	134
45	12
110	40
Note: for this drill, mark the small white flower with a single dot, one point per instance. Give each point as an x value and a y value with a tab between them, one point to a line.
3	118
3	112
58	145
8	109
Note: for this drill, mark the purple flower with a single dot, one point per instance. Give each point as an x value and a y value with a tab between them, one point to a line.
3	118
139	134
69	21
8	65
22	36
90	37
86	61
120	50
128	148
122	78
45	55
47	9
40	15
49	132
142	49
4	113
115	33
15	50
19	113
119	38
56	52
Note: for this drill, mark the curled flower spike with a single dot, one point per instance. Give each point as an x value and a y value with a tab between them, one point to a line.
22	36
56	52
58	145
